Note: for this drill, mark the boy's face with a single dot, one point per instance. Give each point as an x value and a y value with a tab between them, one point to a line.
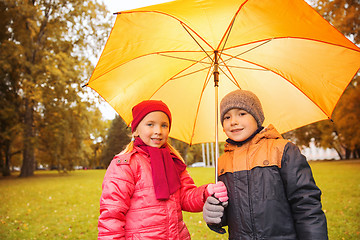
153	129
238	124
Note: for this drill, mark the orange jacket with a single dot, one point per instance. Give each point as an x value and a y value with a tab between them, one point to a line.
265	149
129	208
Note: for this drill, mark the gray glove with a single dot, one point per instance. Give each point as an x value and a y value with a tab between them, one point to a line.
213	210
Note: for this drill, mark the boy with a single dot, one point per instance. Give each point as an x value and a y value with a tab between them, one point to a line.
271	190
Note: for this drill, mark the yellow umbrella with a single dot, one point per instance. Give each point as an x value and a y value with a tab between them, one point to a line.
283	51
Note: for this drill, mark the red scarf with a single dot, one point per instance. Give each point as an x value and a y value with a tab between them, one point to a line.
166	169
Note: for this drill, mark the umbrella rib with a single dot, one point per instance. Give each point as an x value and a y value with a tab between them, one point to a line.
202	91
232	78
191	60
177	77
208	76
289	37
288	82
183	25
228	30
267	69
196	61
180	58
261	44
154	53
247	68
181	22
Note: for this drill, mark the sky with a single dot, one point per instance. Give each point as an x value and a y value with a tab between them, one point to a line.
122	5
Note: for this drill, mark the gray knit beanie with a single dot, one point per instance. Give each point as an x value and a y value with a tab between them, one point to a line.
244	100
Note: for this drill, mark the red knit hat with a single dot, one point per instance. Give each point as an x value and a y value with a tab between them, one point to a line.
142	109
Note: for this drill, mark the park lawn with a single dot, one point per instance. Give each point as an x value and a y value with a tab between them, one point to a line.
66	206
51	205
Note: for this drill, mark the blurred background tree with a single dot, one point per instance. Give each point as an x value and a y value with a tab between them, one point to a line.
45	52
118	136
343	132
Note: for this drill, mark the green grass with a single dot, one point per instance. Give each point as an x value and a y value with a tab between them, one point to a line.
340	184
51	206
66	206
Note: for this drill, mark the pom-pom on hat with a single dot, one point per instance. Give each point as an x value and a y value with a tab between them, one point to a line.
142	109
245	100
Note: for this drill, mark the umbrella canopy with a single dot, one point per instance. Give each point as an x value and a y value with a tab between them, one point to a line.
283	51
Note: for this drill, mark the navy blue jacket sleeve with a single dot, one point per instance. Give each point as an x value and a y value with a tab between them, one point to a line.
303	195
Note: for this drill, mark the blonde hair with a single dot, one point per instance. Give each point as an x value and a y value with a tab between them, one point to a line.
130	147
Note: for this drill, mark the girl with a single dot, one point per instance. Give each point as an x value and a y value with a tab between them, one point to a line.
146	187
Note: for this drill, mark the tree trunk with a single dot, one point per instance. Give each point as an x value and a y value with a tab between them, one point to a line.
6	168
28	165
339	153
357	153
1	160
347	153
186	153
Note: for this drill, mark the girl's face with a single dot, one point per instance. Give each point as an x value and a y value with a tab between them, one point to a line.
239	124
153	129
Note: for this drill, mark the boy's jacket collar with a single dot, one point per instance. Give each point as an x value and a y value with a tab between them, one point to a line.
269	132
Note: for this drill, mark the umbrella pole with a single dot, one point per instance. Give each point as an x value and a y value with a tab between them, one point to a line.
216	85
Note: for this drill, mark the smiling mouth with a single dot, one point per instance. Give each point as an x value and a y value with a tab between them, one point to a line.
156	139
237	130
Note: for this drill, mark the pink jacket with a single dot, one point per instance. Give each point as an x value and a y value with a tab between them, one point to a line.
129	208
